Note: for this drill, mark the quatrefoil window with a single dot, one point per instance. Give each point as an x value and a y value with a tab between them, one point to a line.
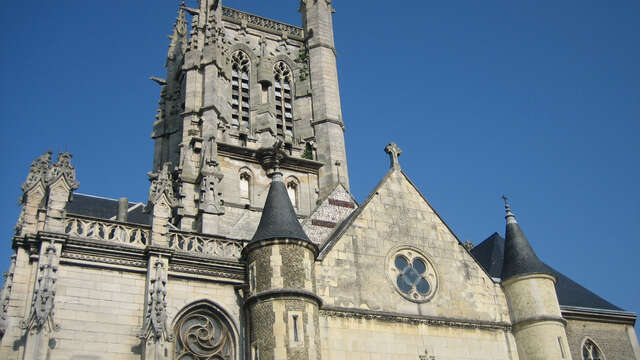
412	274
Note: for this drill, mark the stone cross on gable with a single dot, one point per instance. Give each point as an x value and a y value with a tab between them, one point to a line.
394	152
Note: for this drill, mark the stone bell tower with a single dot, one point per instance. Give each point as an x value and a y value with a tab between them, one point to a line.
238	84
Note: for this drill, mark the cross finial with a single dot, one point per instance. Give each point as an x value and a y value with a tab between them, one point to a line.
394	152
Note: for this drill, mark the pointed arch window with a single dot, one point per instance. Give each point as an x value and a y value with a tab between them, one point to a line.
284	99
202	335
240	88
590	351
245	186
292	191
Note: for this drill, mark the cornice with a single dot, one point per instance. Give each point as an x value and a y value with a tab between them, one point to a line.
598	315
341	312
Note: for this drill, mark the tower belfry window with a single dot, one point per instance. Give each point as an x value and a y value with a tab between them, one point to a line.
284	99
240	89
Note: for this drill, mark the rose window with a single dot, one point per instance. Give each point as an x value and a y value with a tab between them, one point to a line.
412	275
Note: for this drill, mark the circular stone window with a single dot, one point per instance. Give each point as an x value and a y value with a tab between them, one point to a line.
412	274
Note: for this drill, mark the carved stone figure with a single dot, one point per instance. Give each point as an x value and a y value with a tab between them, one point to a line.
156	316
42	304
63	168
161	184
38	172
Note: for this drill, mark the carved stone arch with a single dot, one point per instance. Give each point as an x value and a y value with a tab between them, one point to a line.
198	313
292	65
252	57
589	343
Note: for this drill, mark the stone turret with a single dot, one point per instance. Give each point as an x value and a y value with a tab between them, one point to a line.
538	326
327	113
282	305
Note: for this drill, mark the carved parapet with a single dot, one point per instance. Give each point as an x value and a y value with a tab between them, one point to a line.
106	230
261	23
204	245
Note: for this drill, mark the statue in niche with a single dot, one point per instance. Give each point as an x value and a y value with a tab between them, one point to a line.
210	194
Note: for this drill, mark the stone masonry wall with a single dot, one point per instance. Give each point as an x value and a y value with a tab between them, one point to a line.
355	339
612	339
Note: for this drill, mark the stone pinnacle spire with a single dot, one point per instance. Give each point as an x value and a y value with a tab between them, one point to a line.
279	220
519	257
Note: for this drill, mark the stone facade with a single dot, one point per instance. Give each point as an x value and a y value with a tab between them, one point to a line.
250	107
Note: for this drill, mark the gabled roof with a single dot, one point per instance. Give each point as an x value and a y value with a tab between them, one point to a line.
105	208
279	220
570	293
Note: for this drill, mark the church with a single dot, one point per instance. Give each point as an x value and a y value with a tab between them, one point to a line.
251	246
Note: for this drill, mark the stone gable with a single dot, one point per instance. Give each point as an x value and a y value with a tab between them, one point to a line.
353	271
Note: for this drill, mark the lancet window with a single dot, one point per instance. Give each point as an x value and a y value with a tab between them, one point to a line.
590	351
292	190
245	185
240	88
284	99
202	335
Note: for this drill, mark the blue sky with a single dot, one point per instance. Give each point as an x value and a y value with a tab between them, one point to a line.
538	100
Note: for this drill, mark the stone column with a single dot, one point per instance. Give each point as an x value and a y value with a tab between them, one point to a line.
327	112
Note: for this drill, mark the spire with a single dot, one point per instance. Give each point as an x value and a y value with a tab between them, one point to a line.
519	257
279	220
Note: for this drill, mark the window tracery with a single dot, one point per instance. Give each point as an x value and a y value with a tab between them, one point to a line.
201	335
284	99
240	88
412	274
590	351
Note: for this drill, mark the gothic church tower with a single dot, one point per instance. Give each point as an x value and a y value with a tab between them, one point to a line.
233	91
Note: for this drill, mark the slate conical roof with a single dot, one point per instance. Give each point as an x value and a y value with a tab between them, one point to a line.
519	257
278	219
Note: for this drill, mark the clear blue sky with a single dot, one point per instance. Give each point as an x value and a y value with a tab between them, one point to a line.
538	100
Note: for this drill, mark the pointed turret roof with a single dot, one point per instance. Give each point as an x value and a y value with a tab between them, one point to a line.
278	219
519	257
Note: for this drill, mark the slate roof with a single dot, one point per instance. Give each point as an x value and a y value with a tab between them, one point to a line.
519	257
490	254
279	220
104	208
